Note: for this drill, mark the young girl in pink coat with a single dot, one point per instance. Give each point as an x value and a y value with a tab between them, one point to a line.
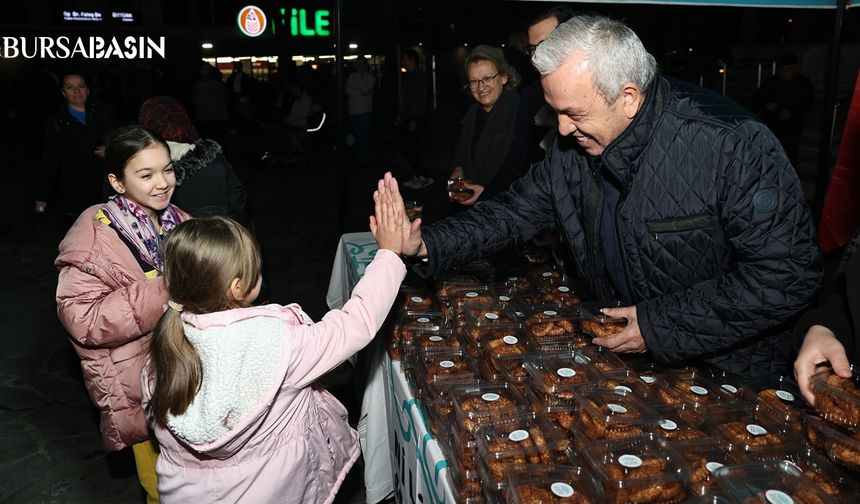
231	390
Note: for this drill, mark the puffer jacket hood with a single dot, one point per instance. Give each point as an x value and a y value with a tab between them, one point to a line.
190	159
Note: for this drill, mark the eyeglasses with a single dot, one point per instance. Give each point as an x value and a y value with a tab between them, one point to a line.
486	81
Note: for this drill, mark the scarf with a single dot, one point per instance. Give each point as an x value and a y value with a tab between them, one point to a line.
131	221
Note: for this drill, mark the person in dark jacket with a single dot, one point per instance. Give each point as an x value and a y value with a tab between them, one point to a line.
488	128
206	184
829	333
73	169
673	200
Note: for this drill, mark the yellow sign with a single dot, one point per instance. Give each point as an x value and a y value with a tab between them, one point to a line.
252	20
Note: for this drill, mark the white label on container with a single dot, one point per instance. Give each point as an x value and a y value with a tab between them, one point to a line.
471	294
667	424
547	274
631	461
490	397
510	340
778	497
518	435
564	289
562	490
756	430
713	466
416	299
446	364
491	316
698	390
729	388
504	298
622	388
616	408
566	372
648	379
550	313
423	320
435	339
785	395
793	465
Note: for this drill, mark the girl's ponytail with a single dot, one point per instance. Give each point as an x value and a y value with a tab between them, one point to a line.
175	366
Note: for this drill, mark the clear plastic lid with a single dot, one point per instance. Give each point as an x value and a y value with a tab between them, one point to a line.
837	399
460	298
551	484
558	375
748	427
488	318
840	444
693	389
447	281
705	456
420	340
639	469
679	423
611	414
547	324
628	382
474	404
563	294
596	324
504	341
604	360
412	299
512	367
730	384
547	275
527	439
561	411
445	366
773	482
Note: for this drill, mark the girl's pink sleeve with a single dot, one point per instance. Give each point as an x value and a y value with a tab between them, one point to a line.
317	349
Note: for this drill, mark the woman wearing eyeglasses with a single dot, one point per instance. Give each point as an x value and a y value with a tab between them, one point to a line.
483	158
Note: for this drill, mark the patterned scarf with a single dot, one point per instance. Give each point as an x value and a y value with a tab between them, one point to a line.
131	221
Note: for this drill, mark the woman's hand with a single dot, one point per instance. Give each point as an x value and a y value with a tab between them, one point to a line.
820	347
477	189
413	245
387	223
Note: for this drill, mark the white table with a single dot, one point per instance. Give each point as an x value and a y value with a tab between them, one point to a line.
400	455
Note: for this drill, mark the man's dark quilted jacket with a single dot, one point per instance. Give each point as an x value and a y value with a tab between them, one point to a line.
716	236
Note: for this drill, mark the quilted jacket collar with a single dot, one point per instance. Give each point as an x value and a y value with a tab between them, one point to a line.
620	156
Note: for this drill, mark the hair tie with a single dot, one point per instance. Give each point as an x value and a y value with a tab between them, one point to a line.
174	305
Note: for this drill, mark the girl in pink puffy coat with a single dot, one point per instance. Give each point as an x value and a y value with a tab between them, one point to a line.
230	390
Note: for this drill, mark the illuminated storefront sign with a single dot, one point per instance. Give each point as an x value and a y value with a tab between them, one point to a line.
252	20
299	23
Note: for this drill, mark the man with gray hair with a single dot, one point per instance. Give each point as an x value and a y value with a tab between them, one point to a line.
673	200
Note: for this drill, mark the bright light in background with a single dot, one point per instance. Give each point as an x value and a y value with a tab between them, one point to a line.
353	45
314	66
402	69
465	44
420	44
206	45
790	20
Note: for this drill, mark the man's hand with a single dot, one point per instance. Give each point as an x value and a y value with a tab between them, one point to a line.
413	245
820	347
477	188
457	173
628	340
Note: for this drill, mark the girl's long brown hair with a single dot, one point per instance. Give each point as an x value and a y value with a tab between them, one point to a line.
201	259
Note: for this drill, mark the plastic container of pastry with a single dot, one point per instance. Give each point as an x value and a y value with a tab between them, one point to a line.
484	319
480	403
840	444
547	276
504	341
512	367
527	439
679	423
462	297
730	384
479	268
444	367
641	469
409	322
412	299
464	477
609	414
693	389
628	382
425	341
604	360
545	484
559	374
748	427
562	294
445	282
559	407
705	456
771	482
551	328
595	324
780	397
837	399
832	479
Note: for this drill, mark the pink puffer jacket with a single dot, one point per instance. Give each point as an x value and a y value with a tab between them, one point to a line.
109	307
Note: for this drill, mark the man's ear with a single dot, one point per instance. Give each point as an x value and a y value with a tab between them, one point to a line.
116	183
631	99
237	292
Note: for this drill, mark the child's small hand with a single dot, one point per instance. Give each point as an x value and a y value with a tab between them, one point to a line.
387	223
